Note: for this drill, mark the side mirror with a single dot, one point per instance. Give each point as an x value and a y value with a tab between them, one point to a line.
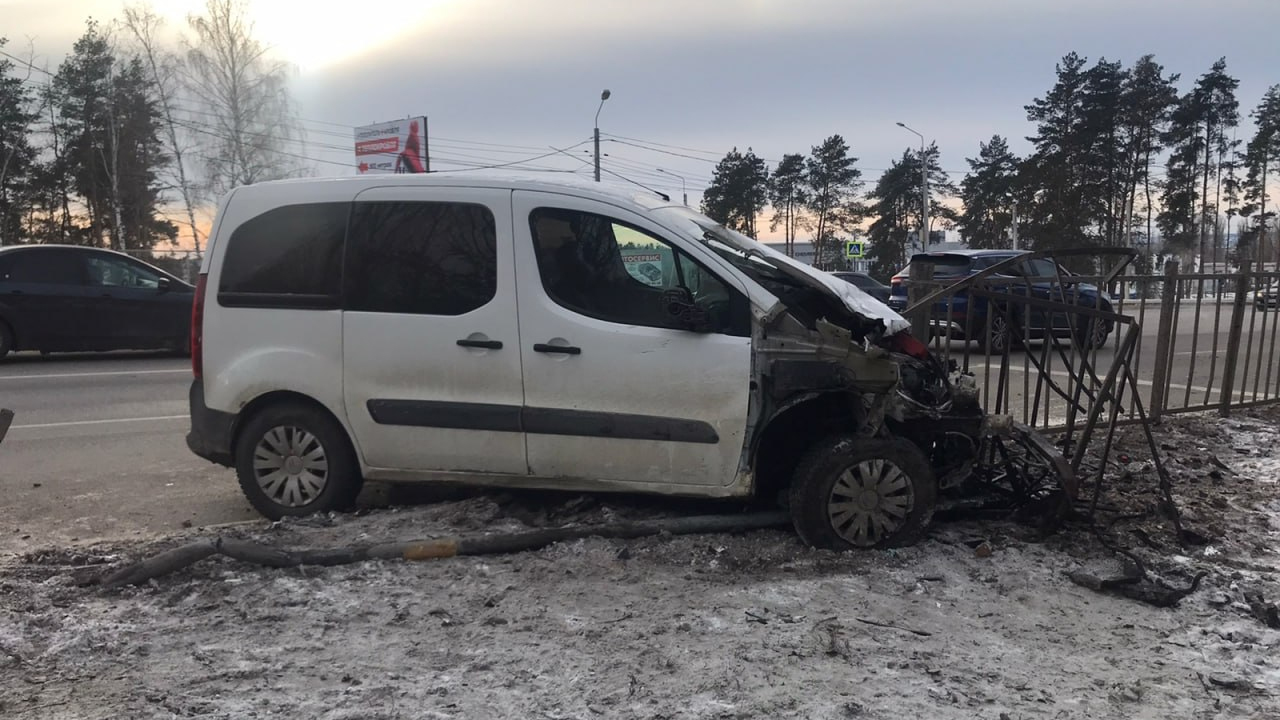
164	285
679	305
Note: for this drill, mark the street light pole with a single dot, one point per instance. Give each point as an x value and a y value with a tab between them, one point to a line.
924	192
603	96
683	191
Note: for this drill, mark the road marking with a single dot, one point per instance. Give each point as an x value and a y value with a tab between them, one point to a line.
71	423
51	376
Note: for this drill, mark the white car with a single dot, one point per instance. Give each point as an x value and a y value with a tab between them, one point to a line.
482	328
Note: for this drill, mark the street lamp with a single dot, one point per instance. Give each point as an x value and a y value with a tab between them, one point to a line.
603	96
683	191
924	192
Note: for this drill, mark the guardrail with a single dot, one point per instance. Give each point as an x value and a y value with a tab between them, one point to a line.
1042	342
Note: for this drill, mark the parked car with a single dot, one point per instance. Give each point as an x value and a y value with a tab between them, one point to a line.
953	317
866	283
56	298
1267	297
482	328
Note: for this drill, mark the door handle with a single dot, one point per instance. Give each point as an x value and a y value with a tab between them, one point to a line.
557	349
486	344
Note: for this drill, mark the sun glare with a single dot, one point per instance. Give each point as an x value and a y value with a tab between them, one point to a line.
315	35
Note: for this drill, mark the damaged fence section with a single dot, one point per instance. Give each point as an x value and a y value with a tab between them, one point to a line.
1039	331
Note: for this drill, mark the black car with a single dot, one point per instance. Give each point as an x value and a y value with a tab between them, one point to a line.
866	283
56	298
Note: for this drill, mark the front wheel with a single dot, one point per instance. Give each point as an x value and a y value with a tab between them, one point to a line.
293	459
855	492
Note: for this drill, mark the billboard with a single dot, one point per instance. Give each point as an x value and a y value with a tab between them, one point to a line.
399	146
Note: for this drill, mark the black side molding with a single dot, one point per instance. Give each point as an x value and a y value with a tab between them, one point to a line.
441	414
551	421
540	421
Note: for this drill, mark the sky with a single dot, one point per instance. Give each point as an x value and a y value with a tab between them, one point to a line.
506	80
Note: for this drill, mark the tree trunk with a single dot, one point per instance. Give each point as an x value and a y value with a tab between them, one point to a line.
1204	193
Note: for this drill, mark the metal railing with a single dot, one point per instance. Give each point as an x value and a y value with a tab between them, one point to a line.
1043	346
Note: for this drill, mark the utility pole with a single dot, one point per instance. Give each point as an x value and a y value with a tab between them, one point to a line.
603	96
684	192
924	192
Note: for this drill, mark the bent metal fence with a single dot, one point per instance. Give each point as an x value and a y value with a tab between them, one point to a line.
1071	338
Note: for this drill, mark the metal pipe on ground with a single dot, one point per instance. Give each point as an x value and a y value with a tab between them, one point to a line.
431	549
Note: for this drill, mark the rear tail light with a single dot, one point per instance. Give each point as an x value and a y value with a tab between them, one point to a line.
197	328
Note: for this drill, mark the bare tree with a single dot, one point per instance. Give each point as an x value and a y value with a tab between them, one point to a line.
248	120
165	67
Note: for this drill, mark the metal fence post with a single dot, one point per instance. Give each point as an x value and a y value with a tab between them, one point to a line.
917	289
1233	337
1164	338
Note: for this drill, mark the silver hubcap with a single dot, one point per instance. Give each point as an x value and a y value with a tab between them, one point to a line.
870	501
291	466
999	332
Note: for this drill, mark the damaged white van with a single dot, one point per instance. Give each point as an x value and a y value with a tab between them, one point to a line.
544	333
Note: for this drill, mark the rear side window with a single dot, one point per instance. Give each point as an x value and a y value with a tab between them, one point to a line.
290	256
43	267
421	258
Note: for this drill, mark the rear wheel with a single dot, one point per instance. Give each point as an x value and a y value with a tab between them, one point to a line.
293	459
855	492
998	336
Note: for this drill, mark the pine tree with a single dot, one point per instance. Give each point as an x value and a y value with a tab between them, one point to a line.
17	156
1215	98
895	208
1261	160
1054	189
788	196
832	182
987	193
110	126
738	191
82	89
1102	169
1148	99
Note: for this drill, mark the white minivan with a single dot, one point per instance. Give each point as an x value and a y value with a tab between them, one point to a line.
531	332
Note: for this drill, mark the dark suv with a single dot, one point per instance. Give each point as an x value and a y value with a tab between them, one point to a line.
965	323
66	298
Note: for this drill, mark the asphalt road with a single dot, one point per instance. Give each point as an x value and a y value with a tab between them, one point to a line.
97	450
97	446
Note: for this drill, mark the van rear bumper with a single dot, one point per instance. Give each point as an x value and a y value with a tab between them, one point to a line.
211	430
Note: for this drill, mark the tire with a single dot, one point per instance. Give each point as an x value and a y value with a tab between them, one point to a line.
999	335
841	465
6	339
294	459
1093	333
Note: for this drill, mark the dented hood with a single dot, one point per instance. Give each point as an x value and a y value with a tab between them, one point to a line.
847	294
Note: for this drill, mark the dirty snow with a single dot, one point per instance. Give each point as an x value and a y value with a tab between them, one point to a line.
721	626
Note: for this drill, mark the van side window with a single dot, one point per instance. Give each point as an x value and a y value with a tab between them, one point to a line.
421	258
609	270
289	256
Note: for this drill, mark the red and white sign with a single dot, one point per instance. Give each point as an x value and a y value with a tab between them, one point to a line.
399	146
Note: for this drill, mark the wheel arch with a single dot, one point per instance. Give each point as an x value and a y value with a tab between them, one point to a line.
283	397
797	423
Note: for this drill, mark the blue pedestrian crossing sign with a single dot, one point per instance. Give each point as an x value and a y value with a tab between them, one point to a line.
855	249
